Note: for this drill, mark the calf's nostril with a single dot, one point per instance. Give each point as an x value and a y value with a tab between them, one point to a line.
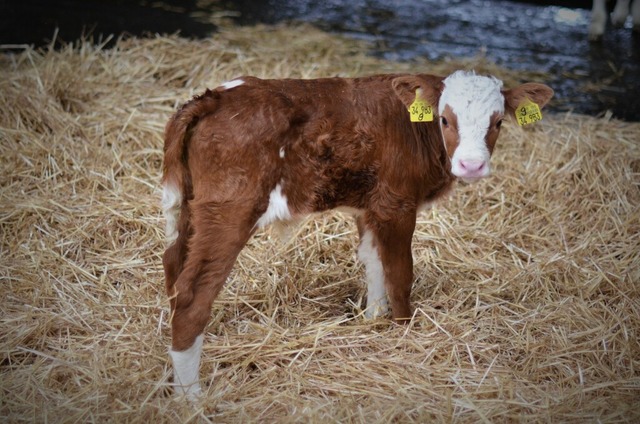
472	165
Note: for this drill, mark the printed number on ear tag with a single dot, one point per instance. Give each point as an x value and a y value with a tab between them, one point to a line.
528	112
420	110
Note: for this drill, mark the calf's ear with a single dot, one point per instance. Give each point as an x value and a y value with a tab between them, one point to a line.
537	93
430	87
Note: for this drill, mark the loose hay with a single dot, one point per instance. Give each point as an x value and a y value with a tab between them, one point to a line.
526	293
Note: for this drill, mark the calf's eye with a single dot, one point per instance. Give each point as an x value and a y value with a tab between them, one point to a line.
445	123
498	124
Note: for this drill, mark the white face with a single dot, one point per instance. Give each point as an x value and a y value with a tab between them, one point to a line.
471	109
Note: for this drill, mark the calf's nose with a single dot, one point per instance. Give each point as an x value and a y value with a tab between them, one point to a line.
472	166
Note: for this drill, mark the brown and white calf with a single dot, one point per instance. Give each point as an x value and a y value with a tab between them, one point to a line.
253	151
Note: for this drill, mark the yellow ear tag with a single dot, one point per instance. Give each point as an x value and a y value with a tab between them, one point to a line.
420	110
528	112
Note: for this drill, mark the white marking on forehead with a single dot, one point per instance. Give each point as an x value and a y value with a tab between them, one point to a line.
282	153
231	84
472	97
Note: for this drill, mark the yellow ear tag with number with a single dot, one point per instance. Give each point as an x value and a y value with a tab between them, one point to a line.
420	110
528	112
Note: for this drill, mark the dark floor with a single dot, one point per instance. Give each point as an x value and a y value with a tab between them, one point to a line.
549	36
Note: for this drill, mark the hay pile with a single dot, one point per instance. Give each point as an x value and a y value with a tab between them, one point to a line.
527	284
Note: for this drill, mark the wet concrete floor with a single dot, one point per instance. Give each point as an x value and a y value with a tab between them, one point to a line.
546	36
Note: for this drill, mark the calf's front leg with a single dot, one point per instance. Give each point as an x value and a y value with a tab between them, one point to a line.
385	250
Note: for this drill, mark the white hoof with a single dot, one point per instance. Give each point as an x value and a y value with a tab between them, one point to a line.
192	393
377	309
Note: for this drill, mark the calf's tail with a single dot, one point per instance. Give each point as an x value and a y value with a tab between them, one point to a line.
176	179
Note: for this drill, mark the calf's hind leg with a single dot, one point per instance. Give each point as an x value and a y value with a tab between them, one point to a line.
219	234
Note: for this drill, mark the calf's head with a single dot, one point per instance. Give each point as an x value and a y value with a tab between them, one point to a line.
470	109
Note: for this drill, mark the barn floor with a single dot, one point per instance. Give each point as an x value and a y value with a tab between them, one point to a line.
526	295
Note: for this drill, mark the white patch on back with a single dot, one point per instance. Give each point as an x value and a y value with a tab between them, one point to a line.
473	98
171	203
278	209
232	84
185	369
376	294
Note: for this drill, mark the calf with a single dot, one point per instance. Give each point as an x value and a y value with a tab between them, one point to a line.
252	152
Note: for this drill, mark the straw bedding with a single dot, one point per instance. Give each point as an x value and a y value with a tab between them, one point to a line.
526	284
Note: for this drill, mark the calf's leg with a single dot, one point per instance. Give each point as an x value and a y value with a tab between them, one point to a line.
598	19
635	15
620	13
219	234
368	254
385	249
